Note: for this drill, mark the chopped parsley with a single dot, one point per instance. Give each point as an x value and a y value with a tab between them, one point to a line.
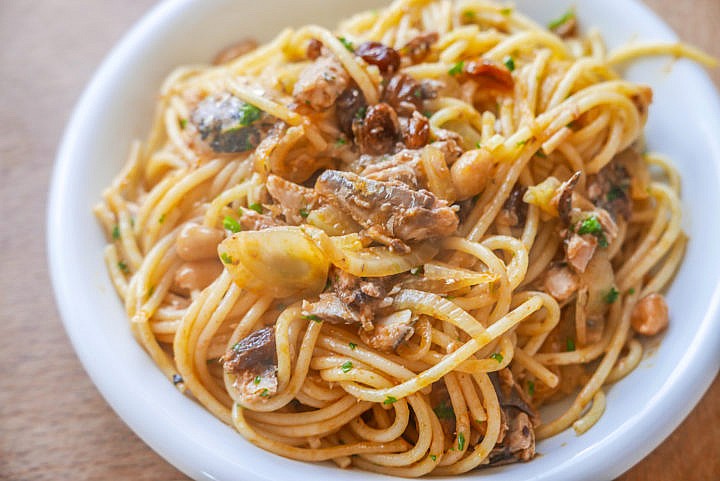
590	225
569	344
248	114
390	400
347	44
468	14
123	267
183	123
611	296
360	113
506	11
433	457
161	219
116	232
497	356
541	154
265	393
352	345
602	240
631	291
531	388
256	381
461	441
347	366
256	206
457	68
567	16
444	411
304	213
427	114
227	259
231	224
509	63
521	143
311	317
615	192
340	141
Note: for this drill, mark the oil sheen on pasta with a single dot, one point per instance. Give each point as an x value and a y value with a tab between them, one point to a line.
389	244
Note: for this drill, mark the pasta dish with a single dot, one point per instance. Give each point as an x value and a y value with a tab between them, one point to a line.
389	245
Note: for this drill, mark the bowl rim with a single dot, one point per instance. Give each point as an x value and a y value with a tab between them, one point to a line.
617	445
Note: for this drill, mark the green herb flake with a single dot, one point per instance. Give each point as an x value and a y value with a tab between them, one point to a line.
311	317
569	344
248	114
497	356
433	457
352	345
591	225
347	44
256	206
615	192
161	219
602	240
256	381
347	366
509	63
183	123
444	411
507	11
631	291
522	143
360	113
461	441
265	393
231	224
611	296
116	232
340	141
561	20
416	271
227	259
531	388
468	15
541	154
304	213
427	114
123	267
457	68
390	400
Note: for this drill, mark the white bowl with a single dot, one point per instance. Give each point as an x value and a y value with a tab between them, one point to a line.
117	107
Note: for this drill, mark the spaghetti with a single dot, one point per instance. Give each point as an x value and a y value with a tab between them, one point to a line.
389	245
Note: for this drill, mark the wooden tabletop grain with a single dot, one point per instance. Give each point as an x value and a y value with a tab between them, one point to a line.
53	423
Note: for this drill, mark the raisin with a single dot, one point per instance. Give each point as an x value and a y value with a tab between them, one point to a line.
387	59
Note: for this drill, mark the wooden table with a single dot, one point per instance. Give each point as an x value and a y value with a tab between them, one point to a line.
53	423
